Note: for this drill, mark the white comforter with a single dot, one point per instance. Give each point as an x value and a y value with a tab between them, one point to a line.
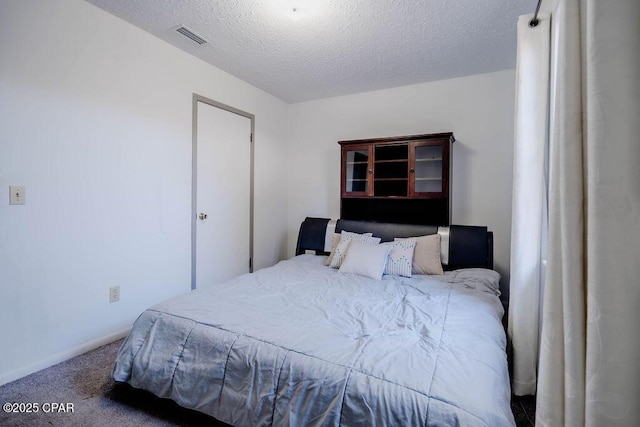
303	344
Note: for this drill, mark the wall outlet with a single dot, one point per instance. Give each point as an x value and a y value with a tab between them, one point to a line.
114	293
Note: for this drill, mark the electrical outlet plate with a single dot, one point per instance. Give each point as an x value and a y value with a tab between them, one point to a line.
114	293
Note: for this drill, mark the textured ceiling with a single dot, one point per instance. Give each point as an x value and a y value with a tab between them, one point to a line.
336	47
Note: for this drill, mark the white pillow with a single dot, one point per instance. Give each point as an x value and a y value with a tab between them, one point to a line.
400	260
426	255
365	259
343	245
336	240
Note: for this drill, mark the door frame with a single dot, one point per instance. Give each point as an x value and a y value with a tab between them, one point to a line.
194	176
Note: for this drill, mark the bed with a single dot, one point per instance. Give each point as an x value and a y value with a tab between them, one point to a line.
301	343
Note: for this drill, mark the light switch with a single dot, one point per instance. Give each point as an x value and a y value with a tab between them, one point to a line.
16	194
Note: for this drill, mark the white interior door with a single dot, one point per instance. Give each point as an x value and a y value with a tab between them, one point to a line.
223	195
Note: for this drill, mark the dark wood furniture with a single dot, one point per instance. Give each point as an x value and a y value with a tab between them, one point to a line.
403	179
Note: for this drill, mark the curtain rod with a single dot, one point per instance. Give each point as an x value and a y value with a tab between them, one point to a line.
535	21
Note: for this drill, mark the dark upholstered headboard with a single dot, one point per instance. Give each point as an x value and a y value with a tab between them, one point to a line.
469	246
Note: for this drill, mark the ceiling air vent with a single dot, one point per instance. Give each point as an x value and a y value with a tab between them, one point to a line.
193	36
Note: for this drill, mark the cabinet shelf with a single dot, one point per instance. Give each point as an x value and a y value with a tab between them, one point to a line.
434	159
428	179
392	161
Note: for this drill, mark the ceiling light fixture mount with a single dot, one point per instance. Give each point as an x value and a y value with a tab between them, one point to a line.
310	11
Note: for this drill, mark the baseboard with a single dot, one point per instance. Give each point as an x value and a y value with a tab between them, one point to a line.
62	356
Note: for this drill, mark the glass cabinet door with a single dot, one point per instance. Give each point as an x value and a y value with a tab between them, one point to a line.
357	170
428	162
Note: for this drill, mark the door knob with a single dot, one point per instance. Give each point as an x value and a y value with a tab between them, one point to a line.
202	216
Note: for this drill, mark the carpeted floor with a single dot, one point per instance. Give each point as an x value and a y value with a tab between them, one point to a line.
524	410
85	382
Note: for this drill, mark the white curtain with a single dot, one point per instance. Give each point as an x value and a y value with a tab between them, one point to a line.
529	209
589	354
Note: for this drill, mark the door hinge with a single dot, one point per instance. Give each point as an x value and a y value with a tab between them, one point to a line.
250	263
251	137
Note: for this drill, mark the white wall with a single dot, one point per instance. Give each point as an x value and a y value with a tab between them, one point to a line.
479	110
95	121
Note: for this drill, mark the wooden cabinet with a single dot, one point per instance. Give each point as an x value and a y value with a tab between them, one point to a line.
398	179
